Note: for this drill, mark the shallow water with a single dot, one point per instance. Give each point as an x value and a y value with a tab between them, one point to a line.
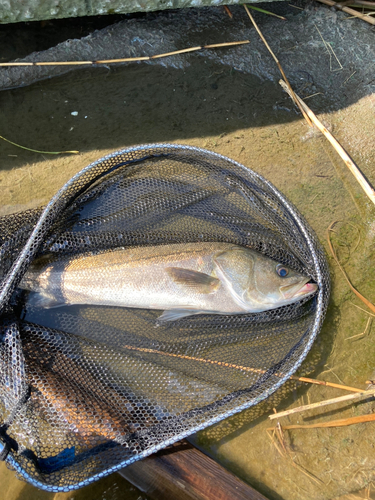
109	488
99	110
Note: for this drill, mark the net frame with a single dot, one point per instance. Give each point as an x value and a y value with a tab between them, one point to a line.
89	176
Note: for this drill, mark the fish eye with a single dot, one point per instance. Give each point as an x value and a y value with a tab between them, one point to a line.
282	271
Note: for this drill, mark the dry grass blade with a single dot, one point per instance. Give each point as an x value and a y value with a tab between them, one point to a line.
278	431
37	151
267	12
340	399
340	150
291	91
126	59
364	310
348	10
330	51
271	436
354	290
342	422
307	473
362	334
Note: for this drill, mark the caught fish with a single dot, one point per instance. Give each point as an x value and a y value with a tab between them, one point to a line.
179	279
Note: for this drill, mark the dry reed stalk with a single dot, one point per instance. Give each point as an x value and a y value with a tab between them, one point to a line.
348	10
340	399
291	91
242	368
370	192
342	422
327	384
354	290
126	59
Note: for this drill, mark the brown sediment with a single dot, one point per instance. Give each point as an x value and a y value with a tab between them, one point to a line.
354	290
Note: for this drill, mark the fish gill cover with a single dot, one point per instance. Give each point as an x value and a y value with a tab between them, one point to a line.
88	389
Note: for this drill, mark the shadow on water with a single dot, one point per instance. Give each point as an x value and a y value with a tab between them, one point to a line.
21	39
134	105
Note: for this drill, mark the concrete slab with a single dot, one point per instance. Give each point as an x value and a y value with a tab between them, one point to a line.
14	11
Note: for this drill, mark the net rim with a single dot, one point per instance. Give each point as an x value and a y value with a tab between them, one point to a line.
319	314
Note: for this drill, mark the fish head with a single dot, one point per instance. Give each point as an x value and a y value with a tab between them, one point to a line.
275	284
258	283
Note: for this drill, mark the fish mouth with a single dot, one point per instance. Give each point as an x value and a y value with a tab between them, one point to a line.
300	289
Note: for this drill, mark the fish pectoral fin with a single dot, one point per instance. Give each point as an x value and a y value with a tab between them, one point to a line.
199	282
175	314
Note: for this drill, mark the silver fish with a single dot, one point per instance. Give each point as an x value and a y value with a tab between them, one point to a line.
180	279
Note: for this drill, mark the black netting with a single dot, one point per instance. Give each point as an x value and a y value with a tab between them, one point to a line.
85	390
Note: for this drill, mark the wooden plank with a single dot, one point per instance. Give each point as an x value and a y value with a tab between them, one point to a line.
182	472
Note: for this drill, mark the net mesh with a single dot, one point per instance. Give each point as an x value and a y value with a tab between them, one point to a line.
86	390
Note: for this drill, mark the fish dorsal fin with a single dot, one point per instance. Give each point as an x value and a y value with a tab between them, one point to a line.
235	266
199	282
